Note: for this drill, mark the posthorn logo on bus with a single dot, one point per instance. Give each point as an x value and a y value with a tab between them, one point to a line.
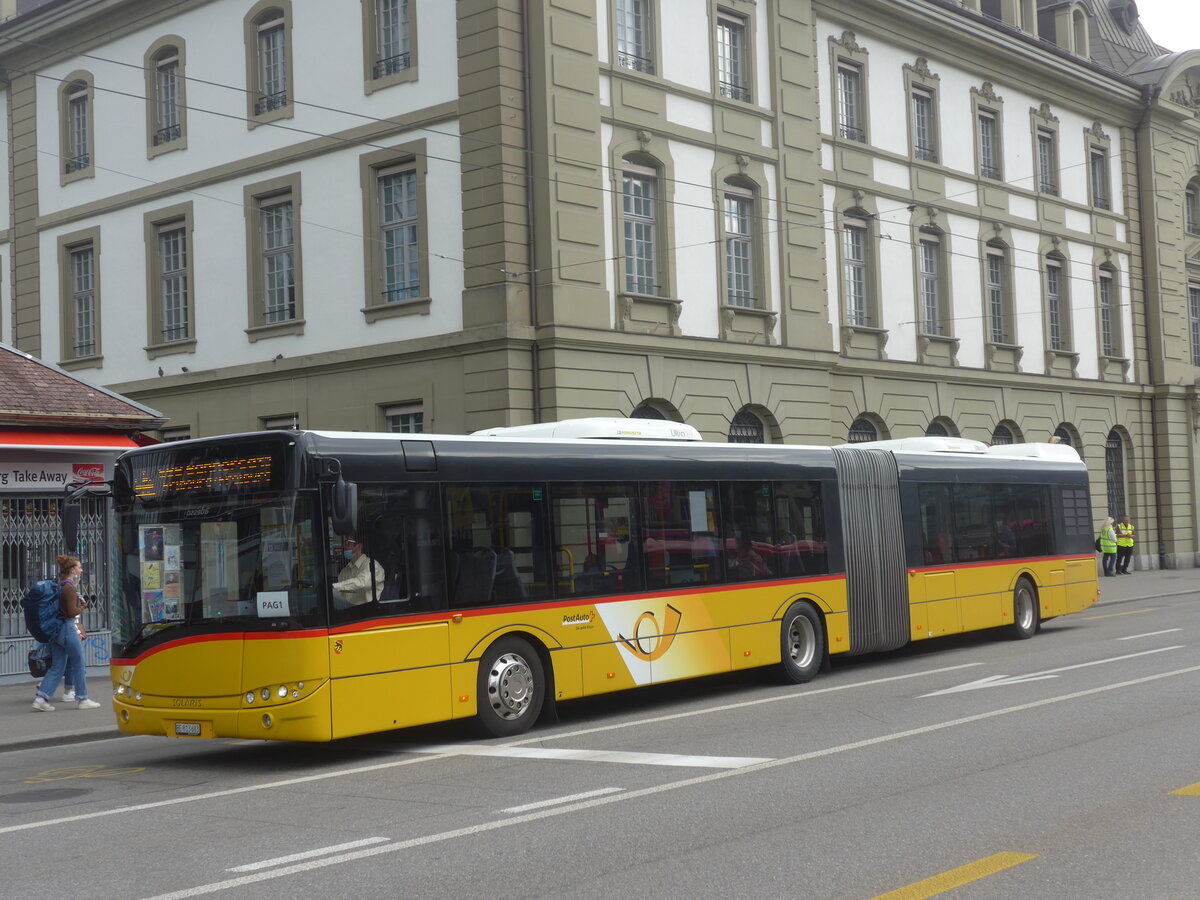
650	642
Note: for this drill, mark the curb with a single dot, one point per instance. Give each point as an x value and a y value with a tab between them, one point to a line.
60	740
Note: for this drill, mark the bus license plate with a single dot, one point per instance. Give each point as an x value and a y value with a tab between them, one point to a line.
187	729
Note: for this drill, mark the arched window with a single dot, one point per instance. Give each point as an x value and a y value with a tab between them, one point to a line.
269	80
1066	434
936	429
1079	32
1114	473
646	411
861	430
746	428
1003	435
166	96
77	131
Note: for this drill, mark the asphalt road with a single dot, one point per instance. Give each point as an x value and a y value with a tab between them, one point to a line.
976	767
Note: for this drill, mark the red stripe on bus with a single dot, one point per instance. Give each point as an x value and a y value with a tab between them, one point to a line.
1023	561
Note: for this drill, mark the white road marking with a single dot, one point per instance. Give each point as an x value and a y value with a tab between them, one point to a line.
307	854
358	770
1131	637
1005	680
573	798
484	827
627	757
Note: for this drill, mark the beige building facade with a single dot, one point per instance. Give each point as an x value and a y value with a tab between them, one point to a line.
799	222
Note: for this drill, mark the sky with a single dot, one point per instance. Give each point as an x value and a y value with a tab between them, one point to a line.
1174	24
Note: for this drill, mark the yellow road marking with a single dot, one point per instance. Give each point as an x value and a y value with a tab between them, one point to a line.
1192	790
1132	612
79	772
939	884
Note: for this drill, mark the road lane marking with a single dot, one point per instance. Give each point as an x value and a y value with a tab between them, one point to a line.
1132	612
628	757
539	738
1192	790
696	780
947	881
307	854
1005	680
555	801
1133	637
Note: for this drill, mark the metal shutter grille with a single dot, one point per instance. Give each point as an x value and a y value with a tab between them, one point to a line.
877	591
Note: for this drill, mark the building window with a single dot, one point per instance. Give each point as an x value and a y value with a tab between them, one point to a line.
1066	435
1107	310
648	411
1194	319
173	282
398	222
276	285
286	422
1056	304
861	431
85	328
998	300
278	260
1098	177
988	125
924	125
746	428
77	138
1114	473
408	419
269	62
639	201
854	272
1191	209
168	121
1002	435
851	123
169	290
739	247
930	281
175	433
391	38
635	37
1047	162
936	429
732	57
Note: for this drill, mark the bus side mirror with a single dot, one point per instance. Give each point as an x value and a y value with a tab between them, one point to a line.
69	513
345	507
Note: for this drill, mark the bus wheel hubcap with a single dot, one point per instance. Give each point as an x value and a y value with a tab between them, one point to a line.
510	686
803	641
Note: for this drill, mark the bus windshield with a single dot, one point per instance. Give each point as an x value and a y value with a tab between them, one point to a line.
251	565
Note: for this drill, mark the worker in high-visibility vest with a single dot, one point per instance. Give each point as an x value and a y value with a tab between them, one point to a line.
1108	547
1124	545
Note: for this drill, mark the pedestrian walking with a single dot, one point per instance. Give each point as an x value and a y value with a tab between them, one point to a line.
1124	545
66	650
1108	547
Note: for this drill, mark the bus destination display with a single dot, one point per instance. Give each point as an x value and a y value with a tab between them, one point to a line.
220	477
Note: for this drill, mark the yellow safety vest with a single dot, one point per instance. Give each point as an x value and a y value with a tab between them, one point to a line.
1124	534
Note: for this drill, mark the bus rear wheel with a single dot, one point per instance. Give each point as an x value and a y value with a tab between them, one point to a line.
511	688
1025	611
802	644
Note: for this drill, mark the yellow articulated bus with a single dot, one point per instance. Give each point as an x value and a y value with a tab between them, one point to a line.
310	586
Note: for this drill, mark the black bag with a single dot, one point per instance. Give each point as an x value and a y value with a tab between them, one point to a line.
39	660
1097	545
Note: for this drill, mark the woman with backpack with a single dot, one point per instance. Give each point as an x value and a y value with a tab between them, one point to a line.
66	650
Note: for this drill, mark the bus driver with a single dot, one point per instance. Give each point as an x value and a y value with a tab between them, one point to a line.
353	587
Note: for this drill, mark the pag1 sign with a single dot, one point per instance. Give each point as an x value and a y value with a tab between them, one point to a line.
47	476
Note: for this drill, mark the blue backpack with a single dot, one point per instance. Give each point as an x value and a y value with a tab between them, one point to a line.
41	605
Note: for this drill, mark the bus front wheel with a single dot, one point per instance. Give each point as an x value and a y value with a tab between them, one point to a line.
1025	611
802	644
511	689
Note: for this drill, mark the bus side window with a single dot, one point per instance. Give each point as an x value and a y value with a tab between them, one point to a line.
937	541
1031	520
973	524
800	529
399	529
591	528
679	543
747	535
497	546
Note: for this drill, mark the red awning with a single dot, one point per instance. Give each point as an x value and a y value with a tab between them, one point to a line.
64	440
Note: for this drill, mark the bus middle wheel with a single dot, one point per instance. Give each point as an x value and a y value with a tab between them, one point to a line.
1025	610
802	644
511	688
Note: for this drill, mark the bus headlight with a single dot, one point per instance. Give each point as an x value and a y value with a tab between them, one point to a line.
283	692
266	694
250	697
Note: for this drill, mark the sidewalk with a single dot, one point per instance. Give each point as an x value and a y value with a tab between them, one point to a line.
21	728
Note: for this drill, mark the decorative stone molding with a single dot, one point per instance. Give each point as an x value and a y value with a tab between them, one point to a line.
848	43
1096	132
864	342
748	325
1003	357
1044	113
937	349
641	314
987	92
921	69
1115	368
643	139
1064	363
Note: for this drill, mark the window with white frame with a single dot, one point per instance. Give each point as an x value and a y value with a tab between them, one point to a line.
398	223
996	282
639	189
1056	304
406	419
84	315
277	237
79	127
392	37
988	127
929	278
732	57
924	124
271	44
850	124
1107	311
167	119
739	247
1047	161
854	272
634	35
1194	320
173	296
1098	177
1191	208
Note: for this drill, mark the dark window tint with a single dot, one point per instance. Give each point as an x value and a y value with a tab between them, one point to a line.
679	543
497	545
748	531
591	539
937	527
800	529
401	530
973	524
1031	520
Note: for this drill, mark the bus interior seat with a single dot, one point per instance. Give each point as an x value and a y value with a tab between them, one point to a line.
393	589
507	584
474	576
